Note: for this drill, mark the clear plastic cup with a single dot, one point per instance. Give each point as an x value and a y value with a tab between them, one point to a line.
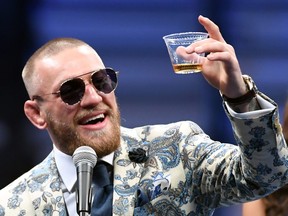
182	62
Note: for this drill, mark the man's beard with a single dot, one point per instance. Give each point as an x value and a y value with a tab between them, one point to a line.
68	139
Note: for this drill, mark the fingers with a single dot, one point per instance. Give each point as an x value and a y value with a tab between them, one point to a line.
215	45
215	37
217	51
211	28
210	46
191	57
220	56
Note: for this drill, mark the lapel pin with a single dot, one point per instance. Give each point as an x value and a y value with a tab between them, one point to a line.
138	155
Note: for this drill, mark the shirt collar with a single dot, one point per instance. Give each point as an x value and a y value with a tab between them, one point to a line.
67	168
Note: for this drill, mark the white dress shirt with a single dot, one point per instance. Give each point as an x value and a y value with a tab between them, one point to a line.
67	171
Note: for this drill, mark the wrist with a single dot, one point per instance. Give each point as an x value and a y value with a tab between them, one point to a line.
247	97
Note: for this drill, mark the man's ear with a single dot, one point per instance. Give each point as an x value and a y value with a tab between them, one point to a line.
32	111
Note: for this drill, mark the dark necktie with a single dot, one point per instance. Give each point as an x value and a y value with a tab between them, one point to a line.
103	189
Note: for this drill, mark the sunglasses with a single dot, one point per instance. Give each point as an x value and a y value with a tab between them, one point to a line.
72	90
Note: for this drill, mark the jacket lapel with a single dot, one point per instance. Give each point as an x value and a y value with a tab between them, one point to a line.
47	197
126	178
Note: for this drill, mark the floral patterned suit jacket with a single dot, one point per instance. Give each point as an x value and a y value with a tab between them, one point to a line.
186	173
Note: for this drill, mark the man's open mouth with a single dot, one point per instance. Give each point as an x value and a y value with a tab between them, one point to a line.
94	119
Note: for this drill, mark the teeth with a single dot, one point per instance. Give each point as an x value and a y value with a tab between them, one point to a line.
100	116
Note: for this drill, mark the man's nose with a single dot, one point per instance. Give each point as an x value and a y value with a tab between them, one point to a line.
91	96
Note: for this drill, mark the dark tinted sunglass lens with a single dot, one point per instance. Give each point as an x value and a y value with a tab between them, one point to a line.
105	80
72	91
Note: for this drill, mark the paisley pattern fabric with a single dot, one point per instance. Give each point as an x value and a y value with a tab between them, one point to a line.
186	172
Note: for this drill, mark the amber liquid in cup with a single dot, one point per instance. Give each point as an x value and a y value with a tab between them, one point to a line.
188	67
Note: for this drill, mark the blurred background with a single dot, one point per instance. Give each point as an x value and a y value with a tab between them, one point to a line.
128	36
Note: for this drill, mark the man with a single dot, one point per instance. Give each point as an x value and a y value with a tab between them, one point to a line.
173	169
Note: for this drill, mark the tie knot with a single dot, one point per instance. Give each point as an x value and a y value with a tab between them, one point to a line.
102	174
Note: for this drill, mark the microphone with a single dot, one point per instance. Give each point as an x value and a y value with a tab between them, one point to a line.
84	159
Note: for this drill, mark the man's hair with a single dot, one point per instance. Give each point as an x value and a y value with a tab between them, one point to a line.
52	47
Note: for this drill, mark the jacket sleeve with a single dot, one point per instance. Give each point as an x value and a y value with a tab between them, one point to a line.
254	167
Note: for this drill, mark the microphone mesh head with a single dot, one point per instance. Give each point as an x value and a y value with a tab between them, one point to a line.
84	154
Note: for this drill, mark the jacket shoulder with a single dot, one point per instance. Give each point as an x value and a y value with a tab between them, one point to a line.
160	128
23	194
